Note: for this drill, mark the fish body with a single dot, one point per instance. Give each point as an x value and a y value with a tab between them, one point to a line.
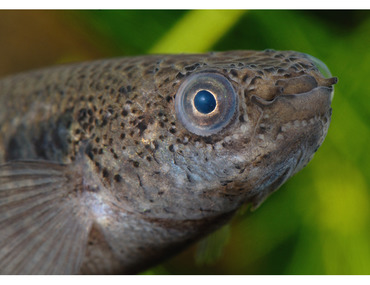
110	166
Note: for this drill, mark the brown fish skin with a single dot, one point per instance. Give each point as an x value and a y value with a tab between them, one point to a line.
131	184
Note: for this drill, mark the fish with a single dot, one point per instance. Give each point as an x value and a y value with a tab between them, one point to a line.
111	166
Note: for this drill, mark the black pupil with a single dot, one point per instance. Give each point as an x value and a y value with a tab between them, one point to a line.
205	102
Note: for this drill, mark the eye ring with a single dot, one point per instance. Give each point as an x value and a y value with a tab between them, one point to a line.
214	109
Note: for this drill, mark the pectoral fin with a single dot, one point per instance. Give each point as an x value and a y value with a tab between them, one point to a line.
44	226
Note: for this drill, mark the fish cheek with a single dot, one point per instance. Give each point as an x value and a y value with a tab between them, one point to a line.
289	130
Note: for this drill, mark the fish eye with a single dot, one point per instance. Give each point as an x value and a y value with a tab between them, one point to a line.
205	103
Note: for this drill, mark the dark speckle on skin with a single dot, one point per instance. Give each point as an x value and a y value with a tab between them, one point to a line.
142	127
234	72
105	173
117	178
171	148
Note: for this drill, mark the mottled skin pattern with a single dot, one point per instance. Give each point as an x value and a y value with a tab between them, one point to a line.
149	186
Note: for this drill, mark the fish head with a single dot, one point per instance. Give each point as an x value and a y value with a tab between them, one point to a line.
226	129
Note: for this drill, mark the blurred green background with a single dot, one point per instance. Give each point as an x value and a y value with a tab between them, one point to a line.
319	221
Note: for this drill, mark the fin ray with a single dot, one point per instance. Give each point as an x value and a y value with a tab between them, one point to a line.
27	241
22	206
44	224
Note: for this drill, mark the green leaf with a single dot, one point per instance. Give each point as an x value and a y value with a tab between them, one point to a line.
210	249
197	31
